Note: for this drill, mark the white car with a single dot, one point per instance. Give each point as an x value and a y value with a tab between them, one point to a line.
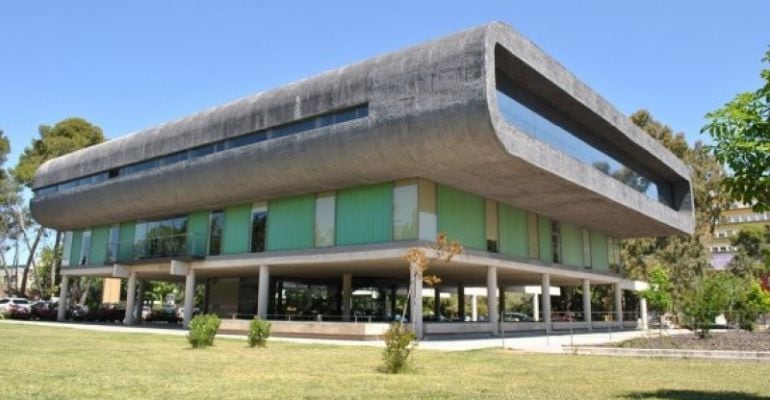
14	304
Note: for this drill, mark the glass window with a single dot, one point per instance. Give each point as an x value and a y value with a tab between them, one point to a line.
526	118
85	247
112	254
258	227
556	240
67	250
324	220
586	248
216	224
405	214
161	238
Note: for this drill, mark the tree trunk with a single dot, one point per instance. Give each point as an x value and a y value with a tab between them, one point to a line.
30	261
84	293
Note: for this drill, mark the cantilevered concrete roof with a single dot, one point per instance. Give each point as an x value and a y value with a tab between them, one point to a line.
432	113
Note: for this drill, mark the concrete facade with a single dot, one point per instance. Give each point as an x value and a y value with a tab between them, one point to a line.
432	148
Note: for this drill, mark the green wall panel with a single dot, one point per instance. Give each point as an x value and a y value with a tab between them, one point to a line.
290	223
77	238
545	239
197	231
513	231
126	246
461	216
364	215
100	237
599	258
235	235
571	245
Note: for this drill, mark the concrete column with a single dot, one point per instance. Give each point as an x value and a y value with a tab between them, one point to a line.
587	303
347	289
643	310
263	291
474	308
461	303
619	304
536	307
189	298
64	289
436	303
546	291
130	293
140	300
492	305
416	307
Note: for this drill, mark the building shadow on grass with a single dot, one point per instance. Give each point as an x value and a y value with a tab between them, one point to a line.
672	394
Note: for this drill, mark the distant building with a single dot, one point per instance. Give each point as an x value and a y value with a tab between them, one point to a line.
737	217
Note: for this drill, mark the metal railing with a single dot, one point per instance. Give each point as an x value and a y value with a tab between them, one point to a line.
182	245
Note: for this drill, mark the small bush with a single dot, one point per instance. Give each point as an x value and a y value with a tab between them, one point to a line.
399	344
259	331
203	329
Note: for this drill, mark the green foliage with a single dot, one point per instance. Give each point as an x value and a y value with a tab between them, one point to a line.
752	258
658	296
203	329
750	301
66	136
5	148
399	344
709	298
259	331
740	130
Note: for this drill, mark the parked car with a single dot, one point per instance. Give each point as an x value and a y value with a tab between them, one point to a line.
15	307
516	317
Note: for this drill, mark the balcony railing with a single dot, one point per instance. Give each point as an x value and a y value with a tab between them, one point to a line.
191	245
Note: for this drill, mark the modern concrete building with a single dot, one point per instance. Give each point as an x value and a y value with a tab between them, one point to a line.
286	203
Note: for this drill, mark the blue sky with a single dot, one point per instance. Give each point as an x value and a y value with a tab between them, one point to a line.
129	65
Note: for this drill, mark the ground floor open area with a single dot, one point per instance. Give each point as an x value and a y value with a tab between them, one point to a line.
51	363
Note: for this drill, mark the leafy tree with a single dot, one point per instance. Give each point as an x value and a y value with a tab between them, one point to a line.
64	137
750	301
658	296
710	297
741	133
684	257
752	258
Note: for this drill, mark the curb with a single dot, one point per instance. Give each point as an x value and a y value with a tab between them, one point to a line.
760	356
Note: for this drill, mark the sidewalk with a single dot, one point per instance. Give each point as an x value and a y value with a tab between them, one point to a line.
536	343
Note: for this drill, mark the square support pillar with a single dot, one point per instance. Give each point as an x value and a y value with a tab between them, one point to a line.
415	280
643	310
619	304
536	307
347	291
461	303
546	291
64	289
436	303
189	297
587	304
263	291
492	305
130	294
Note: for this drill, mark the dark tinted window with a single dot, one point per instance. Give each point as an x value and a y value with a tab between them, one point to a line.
215	232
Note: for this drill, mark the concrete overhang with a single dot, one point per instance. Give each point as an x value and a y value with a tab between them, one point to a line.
432	114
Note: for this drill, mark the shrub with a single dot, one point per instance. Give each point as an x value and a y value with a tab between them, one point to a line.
259	331
399	344
710	297
203	329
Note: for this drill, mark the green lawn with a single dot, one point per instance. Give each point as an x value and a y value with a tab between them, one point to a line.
54	363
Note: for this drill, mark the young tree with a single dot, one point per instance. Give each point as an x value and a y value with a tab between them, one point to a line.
741	133
64	137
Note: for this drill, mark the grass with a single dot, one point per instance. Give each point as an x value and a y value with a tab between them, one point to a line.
55	363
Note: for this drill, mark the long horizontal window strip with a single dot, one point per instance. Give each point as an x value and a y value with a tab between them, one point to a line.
292	128
523	117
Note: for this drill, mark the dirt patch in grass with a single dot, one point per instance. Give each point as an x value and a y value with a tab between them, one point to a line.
730	340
